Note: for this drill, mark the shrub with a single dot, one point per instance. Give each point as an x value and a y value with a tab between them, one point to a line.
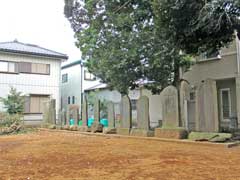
6	120
14	102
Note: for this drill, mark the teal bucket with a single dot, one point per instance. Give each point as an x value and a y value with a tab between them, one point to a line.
90	121
104	122
80	123
71	122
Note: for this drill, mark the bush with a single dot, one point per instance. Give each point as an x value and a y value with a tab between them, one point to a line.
6	120
14	102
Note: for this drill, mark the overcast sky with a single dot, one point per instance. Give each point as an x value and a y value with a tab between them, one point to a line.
39	22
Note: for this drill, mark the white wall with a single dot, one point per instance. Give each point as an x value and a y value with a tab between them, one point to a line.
73	86
32	83
88	84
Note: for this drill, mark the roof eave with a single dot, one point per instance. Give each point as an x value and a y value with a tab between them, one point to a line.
35	54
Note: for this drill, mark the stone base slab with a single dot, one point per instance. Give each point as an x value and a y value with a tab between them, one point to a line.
108	130
84	129
96	127
124	131
171	133
73	128
141	133
66	127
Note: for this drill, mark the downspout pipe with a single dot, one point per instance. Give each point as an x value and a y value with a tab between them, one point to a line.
238	55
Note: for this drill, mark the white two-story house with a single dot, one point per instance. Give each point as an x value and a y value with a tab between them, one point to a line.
34	71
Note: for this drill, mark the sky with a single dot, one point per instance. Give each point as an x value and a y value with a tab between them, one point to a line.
39	22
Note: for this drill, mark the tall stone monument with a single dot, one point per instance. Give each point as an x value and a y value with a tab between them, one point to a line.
143	121
126	117
207	107
170	111
96	126
111	129
84	127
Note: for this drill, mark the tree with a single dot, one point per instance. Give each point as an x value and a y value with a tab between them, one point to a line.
126	42
118	40
198	26
14	102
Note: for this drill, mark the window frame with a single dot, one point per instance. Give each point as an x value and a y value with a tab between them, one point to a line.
65	80
204	57
221	104
48	67
8	62
29	105
92	77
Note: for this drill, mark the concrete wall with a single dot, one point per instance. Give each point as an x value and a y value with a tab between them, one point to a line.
32	83
223	68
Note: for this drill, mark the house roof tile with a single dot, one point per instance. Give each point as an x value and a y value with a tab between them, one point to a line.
29	49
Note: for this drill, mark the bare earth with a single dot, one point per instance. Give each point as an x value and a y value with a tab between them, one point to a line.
65	156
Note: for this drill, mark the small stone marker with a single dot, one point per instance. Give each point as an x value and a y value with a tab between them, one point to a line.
84	127
143	122
49	114
126	116
97	110
170	107
96	126
111	120
73	113
184	98
170	114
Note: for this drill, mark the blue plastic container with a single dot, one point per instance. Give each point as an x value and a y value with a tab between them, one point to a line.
104	122
90	121
71	122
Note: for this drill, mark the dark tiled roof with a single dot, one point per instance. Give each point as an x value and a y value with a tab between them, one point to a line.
29	49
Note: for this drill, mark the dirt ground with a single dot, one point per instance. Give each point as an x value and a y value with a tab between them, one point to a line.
65	156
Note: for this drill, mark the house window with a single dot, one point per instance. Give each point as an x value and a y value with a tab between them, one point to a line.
69	100
225	99
89	76
210	55
8	67
35	103
134	104
73	100
34	68
192	96
64	78
40	68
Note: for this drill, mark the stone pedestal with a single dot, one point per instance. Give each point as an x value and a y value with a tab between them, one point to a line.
108	130
73	128
96	127
141	132
66	127
84	129
171	133
124	131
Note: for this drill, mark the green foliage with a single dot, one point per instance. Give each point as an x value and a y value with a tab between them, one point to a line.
14	102
6	120
126	42
119	41
197	26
